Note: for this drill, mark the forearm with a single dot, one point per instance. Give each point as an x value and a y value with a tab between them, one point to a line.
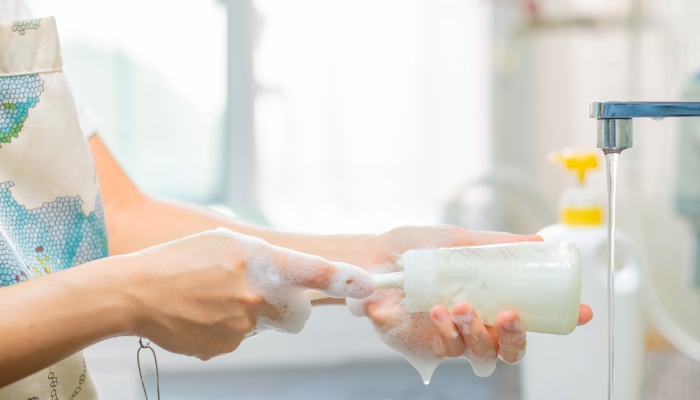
49	318
136	221
140	221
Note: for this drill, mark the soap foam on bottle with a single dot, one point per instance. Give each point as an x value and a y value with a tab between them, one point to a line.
539	280
277	274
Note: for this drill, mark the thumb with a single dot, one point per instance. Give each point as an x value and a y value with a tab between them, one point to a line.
334	279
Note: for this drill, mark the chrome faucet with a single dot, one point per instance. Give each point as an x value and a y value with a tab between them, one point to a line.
615	119
615	135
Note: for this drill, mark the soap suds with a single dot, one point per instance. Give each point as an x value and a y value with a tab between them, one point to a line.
463	320
483	366
413	334
513	325
539	280
281	275
518	338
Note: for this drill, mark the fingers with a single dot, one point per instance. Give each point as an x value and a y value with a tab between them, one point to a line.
511	337
452	343
455	237
481	350
263	310
334	279
476	336
384	309
406	238
481	238
380	315
494	335
585	314
268	265
350	281
294	310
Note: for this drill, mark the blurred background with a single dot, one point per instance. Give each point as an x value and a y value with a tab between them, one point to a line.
340	116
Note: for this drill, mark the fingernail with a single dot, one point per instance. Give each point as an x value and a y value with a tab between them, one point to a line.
512	325
441	316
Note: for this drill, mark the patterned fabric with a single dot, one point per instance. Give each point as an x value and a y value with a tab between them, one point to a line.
17	95
51	215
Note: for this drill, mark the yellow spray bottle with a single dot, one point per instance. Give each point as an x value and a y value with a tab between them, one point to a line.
578	205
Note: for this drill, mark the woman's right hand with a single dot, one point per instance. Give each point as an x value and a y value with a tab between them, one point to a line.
202	295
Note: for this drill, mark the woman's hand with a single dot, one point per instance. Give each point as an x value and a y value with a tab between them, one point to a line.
443	333
202	295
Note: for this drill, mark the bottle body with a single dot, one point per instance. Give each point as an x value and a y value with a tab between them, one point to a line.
575	367
539	280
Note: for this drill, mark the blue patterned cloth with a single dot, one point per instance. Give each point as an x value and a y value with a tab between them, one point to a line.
56	236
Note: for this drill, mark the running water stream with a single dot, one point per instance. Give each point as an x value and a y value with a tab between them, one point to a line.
611	162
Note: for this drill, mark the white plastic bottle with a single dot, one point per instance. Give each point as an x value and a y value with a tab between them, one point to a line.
539	280
574	367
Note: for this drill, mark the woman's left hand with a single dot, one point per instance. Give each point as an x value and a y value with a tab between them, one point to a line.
443	333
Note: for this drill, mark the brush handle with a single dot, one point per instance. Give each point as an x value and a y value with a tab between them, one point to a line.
390	280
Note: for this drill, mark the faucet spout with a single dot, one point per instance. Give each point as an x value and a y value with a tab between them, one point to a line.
615	119
614	135
642	109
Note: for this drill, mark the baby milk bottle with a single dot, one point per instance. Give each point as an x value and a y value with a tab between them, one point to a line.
539	280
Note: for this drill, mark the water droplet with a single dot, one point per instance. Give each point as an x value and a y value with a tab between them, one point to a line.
657	118
426	383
